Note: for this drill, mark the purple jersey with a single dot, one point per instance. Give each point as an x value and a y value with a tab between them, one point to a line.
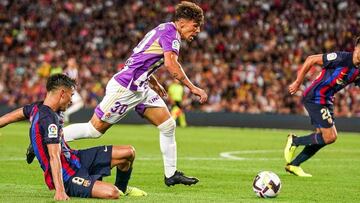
338	71
148	56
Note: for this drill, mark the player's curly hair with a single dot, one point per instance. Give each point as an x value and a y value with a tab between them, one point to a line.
189	11
58	80
357	41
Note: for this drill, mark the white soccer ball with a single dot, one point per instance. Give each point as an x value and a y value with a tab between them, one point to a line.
266	184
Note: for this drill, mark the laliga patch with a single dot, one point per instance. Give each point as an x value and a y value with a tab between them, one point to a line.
331	56
52	131
176	45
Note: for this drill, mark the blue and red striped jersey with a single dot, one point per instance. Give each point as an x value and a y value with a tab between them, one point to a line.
338	71
46	128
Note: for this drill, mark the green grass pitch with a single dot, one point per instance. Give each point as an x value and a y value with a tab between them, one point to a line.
335	169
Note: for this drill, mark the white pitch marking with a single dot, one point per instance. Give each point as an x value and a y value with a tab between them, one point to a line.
183	158
232	155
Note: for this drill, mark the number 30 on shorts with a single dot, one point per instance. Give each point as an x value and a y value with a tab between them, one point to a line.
325	113
118	107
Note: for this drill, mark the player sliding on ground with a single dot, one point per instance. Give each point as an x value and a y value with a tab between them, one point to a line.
72	172
339	70
129	89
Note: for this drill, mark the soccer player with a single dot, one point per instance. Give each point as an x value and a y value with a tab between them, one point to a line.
176	94
339	70
71	172
76	101
129	89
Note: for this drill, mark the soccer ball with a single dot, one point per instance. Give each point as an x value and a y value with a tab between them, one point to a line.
266	184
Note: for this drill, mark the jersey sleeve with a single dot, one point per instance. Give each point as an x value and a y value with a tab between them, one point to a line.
27	110
169	42
51	129
334	59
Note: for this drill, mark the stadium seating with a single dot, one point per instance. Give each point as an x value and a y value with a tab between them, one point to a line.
245	57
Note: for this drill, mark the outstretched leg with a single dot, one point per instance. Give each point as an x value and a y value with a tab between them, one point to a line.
160	117
95	128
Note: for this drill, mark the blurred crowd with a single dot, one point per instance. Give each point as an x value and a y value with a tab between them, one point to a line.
245	57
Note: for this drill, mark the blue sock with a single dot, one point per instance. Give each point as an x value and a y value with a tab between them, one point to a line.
315	138
306	153
122	179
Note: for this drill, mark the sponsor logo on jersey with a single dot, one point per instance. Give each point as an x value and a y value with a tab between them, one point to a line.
52	131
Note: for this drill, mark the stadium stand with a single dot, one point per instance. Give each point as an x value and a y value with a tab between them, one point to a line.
245	57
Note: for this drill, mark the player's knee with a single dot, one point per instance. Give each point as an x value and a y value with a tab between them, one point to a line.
93	132
168	127
113	193
132	152
98	125
330	137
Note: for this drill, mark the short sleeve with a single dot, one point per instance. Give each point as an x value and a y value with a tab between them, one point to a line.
27	110
335	59
51	129
169	42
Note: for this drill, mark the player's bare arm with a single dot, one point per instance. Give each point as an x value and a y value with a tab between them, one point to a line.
173	66
14	116
157	87
309	62
54	153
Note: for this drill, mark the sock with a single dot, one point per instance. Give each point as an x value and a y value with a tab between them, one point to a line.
306	153
122	179
175	112
80	131
315	138
168	146
182	120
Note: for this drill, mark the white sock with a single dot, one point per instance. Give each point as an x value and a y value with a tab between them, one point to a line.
168	146
80	131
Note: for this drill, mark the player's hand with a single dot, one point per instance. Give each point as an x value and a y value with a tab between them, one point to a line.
160	90
200	93
294	87
61	196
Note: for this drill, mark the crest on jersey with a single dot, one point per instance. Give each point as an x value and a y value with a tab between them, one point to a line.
176	45
107	115
331	56
87	183
52	131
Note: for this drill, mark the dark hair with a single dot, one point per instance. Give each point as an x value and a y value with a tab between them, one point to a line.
58	80
357	41
189	11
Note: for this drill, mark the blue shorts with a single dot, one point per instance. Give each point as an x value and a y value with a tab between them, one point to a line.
95	164
322	116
